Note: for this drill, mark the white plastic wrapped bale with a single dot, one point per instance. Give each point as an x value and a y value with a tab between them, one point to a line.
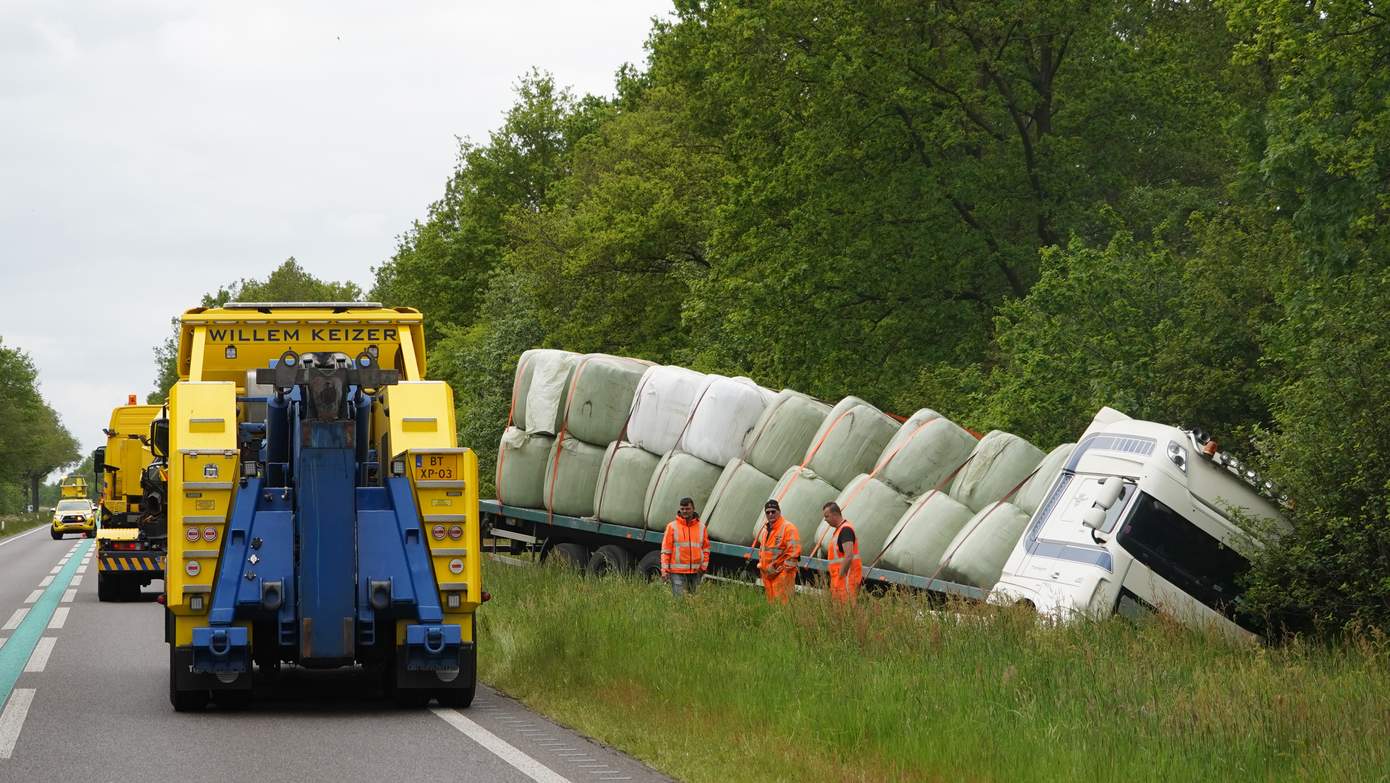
600	397
924	533
723	416
923	453
538	395
873	507
999	463
570	477
678	475
621	493
737	497
1032	494
661	406
849	441
801	495
784	432
976	556
521	461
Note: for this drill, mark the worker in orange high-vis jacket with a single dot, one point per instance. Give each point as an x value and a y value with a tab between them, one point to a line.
779	554
685	550
846	572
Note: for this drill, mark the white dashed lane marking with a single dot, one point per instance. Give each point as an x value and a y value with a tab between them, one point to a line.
39	658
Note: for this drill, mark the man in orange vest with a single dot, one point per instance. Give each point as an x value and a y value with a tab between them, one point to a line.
846	572
779	554
685	550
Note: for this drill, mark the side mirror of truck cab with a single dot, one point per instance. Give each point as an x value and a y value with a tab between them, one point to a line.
1110	491
159	438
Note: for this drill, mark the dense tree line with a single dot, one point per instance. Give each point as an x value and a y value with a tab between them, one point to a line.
33	440
1012	212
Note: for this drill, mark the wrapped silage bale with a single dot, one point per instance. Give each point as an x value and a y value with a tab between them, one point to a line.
737	497
621	492
924	533
678	475
600	397
801	495
663	402
999	463
849	441
570	476
1031	495
873	507
522	458
538	394
976	556
784	432
723	416
923	453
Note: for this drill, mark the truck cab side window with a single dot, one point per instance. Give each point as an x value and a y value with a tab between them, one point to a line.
1184	554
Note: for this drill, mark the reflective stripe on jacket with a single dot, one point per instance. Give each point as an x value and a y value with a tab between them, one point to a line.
685	547
779	551
844	580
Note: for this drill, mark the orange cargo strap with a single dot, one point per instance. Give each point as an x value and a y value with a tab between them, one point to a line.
511	415
946	558
940	487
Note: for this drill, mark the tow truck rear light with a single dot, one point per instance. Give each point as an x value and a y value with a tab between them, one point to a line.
191	535
456	532
209	534
438	532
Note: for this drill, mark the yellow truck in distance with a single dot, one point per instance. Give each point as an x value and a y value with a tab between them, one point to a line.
320	512
129	555
73	487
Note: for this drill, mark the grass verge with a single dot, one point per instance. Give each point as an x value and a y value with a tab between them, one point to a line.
14	524
724	688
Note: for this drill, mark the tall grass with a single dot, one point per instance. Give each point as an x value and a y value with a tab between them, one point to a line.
726	688
18	523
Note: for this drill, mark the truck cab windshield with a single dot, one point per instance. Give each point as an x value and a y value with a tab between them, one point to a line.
1191	559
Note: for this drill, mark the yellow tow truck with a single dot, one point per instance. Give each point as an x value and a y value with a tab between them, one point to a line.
129	555
320	512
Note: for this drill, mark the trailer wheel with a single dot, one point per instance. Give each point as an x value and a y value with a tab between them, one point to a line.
570	555
609	560
649	567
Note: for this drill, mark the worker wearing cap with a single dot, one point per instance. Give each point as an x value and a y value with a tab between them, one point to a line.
779	553
685	550
846	572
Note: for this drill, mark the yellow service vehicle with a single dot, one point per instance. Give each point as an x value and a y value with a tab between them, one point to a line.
319	511
74	515
129	555
73	487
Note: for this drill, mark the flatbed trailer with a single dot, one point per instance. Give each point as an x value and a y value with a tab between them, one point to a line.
543	531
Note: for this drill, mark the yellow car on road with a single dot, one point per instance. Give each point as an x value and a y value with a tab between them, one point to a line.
74	515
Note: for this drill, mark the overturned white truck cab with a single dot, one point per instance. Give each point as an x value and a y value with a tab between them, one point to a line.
1143	518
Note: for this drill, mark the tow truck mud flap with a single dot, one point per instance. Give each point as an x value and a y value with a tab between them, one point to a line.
221	650
433	648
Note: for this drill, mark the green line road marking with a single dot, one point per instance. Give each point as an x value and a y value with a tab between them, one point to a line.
15	654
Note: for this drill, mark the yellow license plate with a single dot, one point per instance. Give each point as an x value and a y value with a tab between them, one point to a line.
436	467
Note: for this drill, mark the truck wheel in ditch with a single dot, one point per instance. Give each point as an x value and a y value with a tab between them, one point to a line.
570	555
106	588
609	560
184	700
649	567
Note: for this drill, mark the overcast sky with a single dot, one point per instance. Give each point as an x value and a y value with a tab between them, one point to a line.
152	150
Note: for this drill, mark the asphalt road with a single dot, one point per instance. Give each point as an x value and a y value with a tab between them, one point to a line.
84	689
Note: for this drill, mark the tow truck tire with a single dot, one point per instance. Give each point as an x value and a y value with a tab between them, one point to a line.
106	588
649	567
232	700
570	555
91	534
609	560
184	701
